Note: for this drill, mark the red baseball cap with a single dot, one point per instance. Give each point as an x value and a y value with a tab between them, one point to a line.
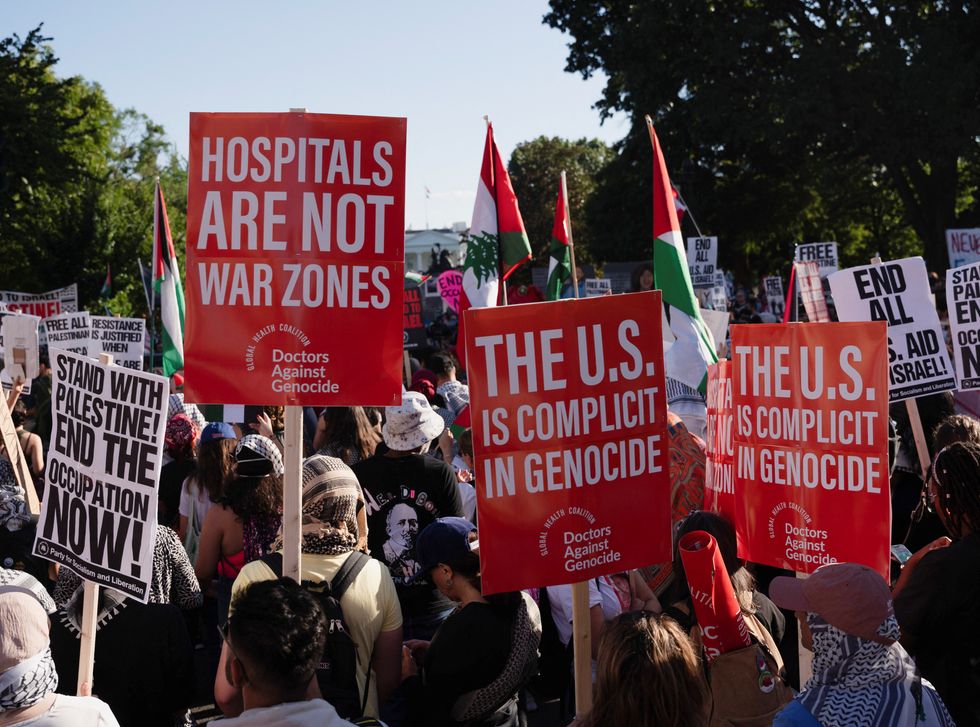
848	596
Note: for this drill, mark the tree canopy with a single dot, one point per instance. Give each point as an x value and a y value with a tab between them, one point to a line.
76	181
800	121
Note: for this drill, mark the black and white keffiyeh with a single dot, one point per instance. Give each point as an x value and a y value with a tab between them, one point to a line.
330	497
861	682
264	448
28	682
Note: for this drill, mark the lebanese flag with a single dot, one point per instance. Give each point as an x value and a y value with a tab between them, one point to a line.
497	243
166	283
559	255
693	351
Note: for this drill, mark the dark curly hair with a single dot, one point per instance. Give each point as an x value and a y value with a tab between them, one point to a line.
956	473
279	627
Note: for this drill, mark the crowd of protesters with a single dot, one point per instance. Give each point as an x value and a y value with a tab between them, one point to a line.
390	623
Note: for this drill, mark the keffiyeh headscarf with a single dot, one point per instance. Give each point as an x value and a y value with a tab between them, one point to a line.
330	496
861	682
13	503
254	446
176	405
27	671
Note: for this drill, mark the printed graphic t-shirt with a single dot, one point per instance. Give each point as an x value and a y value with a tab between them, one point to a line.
403	495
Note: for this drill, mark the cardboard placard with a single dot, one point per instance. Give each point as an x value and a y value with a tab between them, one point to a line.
20	344
295	250
898	293
963	305
123	338
594	287
69	332
451	287
811	292
824	254
412	326
963	247
811	444
42	305
775	297
719	461
103	470
702	260
569	435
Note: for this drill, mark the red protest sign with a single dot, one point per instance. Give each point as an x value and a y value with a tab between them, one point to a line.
811	444
295	263
719	464
569	424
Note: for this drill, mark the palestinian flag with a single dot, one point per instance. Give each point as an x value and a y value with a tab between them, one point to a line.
678	204
688	359
559	257
166	283
497	243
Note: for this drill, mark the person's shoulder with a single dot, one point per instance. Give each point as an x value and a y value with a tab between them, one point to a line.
167	538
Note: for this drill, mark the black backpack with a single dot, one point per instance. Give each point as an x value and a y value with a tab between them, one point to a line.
337	671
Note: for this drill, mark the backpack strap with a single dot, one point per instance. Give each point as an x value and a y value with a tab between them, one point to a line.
274	561
348	572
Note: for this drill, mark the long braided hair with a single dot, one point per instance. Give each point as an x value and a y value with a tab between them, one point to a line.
956	474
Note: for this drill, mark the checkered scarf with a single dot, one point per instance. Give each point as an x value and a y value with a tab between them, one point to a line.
264	448
861	682
330	496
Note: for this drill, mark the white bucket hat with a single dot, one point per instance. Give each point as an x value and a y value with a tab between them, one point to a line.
412	424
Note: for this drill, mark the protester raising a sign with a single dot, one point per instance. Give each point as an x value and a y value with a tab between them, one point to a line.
100	506
898	293
69	332
824	254
963	247
42	305
594	287
719	465
20	347
702	260
963	304
295	238
811	444
121	337
569	416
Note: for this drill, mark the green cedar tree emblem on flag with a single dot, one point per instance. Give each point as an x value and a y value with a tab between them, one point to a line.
481	257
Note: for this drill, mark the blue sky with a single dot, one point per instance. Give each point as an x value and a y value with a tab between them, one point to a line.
443	65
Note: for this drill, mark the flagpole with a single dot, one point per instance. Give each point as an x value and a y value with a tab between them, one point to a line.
568	222
503	283
153	273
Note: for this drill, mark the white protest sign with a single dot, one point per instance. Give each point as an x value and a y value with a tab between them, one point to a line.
717	322
963	304
62	300
897	292
963	247
824	254
594	287
702	260
100	508
20	347
69	332
774	295
719	293
811	292
121	337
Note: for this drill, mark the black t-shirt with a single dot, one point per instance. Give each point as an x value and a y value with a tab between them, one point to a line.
468	652
172	476
403	495
939	612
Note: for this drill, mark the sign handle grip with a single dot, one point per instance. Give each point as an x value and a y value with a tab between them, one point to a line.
582	642
292	496
90	603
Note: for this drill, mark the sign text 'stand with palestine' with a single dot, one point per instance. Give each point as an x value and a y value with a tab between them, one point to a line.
897	292
103	467
569	433
295	262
